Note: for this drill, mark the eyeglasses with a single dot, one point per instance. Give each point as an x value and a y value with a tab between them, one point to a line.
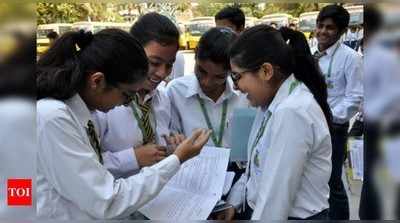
237	75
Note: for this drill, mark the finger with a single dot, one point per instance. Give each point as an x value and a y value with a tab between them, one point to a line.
166	138
159	158
161	148
220	217
152	145
174	141
194	136
177	139
181	138
230	214
203	138
161	153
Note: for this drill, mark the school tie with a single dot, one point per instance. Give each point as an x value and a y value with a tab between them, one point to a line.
94	140
317	55
147	131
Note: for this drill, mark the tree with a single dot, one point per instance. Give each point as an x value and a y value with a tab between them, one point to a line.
73	12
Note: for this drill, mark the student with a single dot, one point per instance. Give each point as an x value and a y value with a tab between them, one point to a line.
52	36
80	73
352	37
293	26
232	17
289	146
207	99
342	68
131	136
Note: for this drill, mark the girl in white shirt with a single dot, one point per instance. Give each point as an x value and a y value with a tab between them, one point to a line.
131	136
82	72
289	148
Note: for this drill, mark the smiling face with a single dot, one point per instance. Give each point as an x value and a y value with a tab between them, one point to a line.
211	76
161	58
259	84
327	33
99	95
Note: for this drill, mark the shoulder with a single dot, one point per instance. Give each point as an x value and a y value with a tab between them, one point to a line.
349	52
52	112
181	84
47	108
300	104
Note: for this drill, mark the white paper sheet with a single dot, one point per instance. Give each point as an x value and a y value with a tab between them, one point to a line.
228	182
356	147
193	192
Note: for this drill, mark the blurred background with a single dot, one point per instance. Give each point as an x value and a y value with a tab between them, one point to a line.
28	29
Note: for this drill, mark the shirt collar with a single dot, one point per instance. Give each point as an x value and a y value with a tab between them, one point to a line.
79	108
283	92
331	49
195	89
150	95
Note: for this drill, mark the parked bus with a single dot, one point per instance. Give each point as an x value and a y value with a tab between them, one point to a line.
281	19
195	28
356	14
308	22
95	27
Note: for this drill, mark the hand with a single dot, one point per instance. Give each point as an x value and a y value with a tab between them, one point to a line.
226	214
192	146
173	141
149	154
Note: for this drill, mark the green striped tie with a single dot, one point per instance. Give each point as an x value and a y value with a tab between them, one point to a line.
148	134
94	140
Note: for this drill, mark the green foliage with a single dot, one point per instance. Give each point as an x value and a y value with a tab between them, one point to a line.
73	12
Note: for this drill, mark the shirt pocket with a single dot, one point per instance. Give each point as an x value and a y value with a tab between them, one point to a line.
335	83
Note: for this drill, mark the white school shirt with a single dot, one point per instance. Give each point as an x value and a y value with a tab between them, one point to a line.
291	165
345	96
120	133
17	152
186	113
71	182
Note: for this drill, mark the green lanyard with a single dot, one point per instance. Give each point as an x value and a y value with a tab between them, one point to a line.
331	61
261	130
217	142
138	119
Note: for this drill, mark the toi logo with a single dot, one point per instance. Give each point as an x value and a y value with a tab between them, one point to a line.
19	192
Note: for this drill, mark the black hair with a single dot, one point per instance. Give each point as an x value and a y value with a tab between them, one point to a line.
62	70
263	43
52	35
337	13
232	13
17	71
155	27
214	45
373	20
